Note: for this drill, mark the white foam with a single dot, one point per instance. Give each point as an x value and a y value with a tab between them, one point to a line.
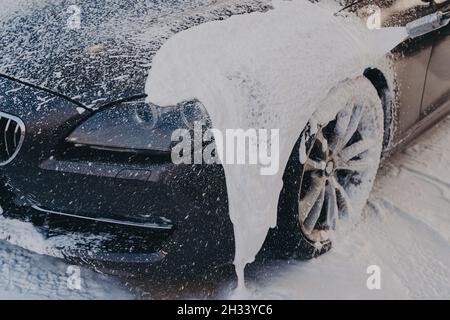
264	70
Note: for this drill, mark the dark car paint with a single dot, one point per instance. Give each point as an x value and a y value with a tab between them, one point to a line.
64	80
108	58
123	187
52	175
437	88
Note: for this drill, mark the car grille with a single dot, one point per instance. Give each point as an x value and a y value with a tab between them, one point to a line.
12	134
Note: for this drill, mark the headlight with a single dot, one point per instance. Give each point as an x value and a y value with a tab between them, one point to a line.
137	126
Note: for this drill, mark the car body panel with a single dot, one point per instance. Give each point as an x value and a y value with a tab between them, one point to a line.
437	89
410	70
74	71
49	177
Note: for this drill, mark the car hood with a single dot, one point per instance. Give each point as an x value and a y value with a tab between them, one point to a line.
109	56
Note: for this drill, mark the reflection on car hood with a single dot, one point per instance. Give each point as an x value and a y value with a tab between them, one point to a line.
108	58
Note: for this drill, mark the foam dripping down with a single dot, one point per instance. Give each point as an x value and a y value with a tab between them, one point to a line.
265	70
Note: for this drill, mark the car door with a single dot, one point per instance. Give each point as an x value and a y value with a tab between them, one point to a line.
411	60
437	86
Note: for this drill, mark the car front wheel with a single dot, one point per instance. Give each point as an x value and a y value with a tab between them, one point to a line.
331	170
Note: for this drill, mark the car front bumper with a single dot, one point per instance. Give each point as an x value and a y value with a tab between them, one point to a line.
183	208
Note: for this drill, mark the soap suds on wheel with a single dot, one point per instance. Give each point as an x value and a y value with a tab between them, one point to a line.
265	71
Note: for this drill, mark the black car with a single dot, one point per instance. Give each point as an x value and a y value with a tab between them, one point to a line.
80	153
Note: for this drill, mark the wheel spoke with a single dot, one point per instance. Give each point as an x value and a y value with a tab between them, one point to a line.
309	200
342	123
325	146
356	149
322	140
314	214
313	165
332	206
353	165
344	203
352	126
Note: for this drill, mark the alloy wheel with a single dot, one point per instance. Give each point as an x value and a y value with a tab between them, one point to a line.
335	159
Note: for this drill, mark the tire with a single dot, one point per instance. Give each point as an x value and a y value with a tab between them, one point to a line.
330	172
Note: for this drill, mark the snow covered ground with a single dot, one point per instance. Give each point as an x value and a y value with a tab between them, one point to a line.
405	231
26	275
